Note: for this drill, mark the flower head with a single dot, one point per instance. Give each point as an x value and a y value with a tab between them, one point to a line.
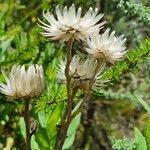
107	47
80	71
69	23
23	83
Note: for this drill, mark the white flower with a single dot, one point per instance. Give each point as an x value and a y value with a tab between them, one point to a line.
70	23
23	83
107	47
81	71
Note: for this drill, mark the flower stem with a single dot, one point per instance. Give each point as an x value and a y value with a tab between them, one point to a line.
66	118
27	124
68	78
88	93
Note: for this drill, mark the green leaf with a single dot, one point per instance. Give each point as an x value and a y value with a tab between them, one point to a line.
147	134
22	126
43	117
71	132
144	104
34	144
42	138
53	119
140	141
46	135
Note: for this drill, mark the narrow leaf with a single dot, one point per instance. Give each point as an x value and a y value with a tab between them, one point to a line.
147	134
140	141
71	132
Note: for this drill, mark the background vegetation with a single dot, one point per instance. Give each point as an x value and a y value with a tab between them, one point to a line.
109	121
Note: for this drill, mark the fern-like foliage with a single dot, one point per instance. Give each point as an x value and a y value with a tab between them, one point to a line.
133	58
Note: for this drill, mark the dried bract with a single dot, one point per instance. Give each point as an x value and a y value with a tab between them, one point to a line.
80	71
23	83
70	23
107	47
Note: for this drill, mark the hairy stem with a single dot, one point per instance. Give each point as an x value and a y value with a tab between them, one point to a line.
89	111
89	90
66	118
27	124
68	78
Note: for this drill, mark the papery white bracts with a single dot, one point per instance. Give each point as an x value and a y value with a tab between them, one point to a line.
80	71
106	46
22	83
70	23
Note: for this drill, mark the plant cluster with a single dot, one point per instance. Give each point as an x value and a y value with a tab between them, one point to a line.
83	74
77	74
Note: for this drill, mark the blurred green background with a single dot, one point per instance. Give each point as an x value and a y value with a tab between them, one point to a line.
114	111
